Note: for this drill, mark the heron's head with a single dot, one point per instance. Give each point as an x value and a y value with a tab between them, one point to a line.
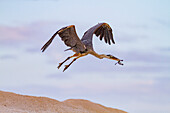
114	58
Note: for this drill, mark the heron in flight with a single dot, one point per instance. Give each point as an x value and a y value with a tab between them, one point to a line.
84	46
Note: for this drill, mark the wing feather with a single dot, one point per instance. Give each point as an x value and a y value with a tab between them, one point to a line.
49	42
103	30
111	36
98	31
69	36
107	36
102	34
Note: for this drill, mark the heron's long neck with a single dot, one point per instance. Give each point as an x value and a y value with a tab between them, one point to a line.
101	56
98	55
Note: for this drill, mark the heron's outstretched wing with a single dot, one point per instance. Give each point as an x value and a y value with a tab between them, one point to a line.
103	30
69	36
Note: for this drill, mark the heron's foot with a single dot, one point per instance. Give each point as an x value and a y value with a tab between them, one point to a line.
66	66
119	62
59	65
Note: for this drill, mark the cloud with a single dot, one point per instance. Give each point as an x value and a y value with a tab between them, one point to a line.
41	0
33	50
124	37
16	35
162	84
8	57
92	87
146	56
163	22
10	33
59	76
30	33
165	49
31	37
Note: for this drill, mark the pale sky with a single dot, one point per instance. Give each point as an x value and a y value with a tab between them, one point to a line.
141	32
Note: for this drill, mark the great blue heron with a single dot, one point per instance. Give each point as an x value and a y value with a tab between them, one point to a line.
84	46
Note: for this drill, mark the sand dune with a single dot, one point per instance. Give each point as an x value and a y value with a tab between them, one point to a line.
15	103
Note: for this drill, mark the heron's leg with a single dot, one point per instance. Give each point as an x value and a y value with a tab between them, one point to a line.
60	64
66	66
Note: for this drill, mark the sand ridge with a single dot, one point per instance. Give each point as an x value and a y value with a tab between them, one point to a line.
15	103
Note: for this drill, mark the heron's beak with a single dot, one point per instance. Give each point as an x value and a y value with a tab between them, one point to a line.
119	62
114	58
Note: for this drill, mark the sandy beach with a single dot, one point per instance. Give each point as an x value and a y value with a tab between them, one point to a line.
15	103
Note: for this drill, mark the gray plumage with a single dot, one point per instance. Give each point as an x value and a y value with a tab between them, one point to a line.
84	46
102	29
